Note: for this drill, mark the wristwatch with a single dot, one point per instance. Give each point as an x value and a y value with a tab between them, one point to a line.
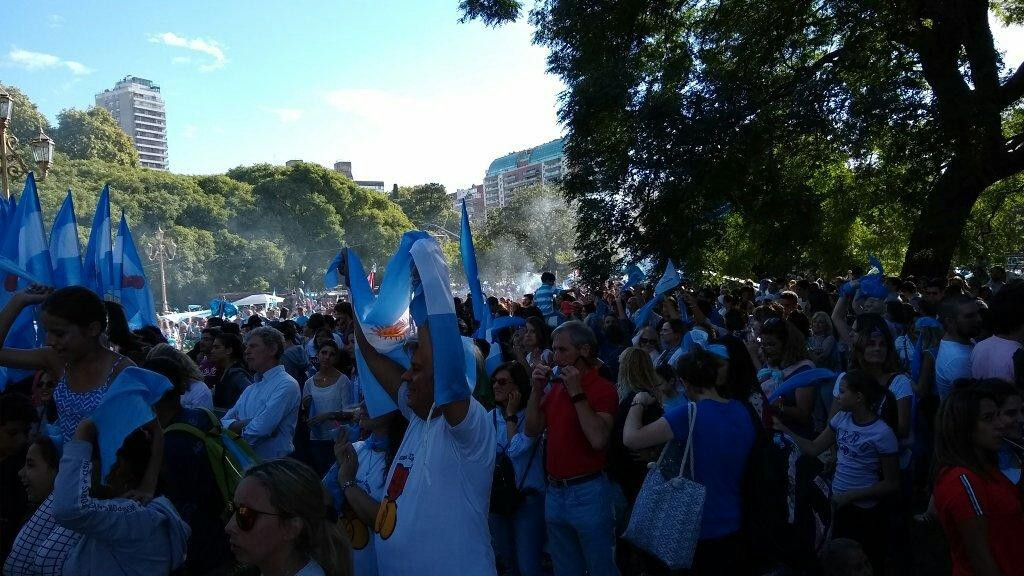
577	398
348	485
512	418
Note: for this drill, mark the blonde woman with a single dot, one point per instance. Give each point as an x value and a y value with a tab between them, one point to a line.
280	527
821	346
197	394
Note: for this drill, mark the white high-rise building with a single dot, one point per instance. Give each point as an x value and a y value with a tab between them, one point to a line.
138	107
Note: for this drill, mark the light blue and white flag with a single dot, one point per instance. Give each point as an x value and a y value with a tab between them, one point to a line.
25	244
433	308
384	321
98	267
669	280
130	284
634	276
65	251
125	406
331	278
481	311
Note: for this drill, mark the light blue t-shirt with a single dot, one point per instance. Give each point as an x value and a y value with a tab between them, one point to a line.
860	452
952	363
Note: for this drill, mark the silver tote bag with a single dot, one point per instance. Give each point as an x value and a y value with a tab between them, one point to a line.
666	517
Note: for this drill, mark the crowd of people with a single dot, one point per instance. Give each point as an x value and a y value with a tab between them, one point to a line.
821	420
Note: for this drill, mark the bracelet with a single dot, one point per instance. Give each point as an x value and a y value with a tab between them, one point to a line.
348	485
635	404
577	398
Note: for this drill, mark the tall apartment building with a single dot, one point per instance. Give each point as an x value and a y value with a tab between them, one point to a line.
474	196
544	164
138	107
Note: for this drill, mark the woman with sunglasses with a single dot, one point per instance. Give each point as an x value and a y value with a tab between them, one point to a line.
280	523
517	527
648	341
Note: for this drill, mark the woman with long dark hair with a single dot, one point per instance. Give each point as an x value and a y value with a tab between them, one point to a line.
978	507
226	353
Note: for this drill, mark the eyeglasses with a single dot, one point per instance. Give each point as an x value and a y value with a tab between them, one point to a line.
246	517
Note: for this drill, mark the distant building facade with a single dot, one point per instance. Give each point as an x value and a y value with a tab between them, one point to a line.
544	164
346	169
138	107
474	196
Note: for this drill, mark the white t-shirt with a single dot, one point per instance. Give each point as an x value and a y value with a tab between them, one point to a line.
198	395
952	363
437	497
901	387
860	448
327	399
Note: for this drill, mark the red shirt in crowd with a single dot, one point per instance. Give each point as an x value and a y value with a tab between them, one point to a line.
569	453
961	494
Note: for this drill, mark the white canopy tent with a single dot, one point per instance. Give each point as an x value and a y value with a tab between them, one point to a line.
258	300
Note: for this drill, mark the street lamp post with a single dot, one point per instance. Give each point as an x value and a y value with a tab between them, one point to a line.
162	248
11	164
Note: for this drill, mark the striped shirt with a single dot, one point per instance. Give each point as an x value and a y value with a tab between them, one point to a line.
544	298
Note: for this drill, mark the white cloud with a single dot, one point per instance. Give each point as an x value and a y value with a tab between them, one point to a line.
55	21
41	61
286	115
180	60
211	48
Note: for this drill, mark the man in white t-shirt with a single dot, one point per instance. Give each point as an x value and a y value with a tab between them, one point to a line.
993	356
433	517
961	318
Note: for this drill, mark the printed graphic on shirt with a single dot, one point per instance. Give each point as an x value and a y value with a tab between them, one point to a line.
387	515
357	532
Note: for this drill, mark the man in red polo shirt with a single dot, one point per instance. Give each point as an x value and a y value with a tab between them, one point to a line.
577	407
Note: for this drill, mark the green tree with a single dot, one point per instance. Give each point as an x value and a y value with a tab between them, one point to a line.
94	134
782	112
427	205
535	231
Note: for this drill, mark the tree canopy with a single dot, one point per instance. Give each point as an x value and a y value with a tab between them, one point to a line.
94	134
768	135
427	205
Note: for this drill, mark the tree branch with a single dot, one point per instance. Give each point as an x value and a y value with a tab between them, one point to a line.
1013	89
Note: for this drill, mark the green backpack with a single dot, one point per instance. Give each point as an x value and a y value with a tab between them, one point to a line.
230	456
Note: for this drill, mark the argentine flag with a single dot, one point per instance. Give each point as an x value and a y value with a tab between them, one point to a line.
65	251
98	267
130	285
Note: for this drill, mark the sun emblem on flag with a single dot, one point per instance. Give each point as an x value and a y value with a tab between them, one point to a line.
393	332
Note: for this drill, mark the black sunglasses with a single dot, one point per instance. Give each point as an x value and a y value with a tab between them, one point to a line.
246	517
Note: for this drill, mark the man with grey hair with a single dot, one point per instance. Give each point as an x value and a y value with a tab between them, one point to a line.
577	408
267	411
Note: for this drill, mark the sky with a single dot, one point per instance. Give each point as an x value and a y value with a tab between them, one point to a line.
397	87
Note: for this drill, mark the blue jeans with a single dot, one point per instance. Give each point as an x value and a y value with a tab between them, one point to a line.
581	528
518	539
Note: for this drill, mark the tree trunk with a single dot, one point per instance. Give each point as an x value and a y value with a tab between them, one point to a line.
940	226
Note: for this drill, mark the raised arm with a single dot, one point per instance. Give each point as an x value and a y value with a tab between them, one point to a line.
36	358
384	369
597	426
534	424
839	317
